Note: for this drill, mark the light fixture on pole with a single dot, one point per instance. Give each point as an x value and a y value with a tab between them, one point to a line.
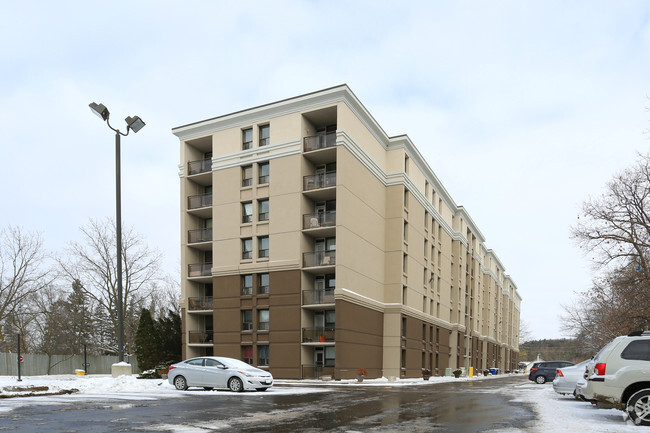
132	124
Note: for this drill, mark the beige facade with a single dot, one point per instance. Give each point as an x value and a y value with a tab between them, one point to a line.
314	244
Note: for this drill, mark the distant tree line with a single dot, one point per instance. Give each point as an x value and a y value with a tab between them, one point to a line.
61	304
614	229
564	349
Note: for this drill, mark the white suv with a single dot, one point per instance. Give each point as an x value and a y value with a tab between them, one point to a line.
619	376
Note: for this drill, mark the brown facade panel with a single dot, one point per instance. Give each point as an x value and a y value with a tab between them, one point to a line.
359	340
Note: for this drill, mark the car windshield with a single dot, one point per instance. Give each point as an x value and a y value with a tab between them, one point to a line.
235	363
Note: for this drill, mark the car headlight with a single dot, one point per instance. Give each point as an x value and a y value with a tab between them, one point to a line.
244	373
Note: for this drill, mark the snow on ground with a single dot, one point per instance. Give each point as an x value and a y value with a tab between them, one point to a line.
564	414
556	413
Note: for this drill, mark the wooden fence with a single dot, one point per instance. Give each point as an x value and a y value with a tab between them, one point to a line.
40	364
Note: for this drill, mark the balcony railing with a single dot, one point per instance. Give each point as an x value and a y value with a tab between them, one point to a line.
199	270
319	258
200	303
311	297
201	337
313	221
200	166
319	141
199	201
321	334
317	181
200	235
316	371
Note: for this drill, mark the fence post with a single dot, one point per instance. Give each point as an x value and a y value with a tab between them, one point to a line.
18	358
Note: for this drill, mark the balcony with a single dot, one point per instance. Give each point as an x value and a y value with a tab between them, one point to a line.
319	259
199	201
200	303
318	181
199	270
320	141
318	297
316	221
201	337
318	335
200	235
200	171
200	166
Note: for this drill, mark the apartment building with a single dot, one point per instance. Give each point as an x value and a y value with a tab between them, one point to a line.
314	244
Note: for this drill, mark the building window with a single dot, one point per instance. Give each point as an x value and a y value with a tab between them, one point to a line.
263	169
247	175
246	285
263	357
247	320
265	131
263	247
262	320
330	356
263	208
247	249
263	284
247	354
247	212
247	139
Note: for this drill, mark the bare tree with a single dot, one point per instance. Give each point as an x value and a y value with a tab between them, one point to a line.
22	273
93	263
615	229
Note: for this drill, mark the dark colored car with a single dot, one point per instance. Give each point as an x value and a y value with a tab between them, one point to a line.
542	372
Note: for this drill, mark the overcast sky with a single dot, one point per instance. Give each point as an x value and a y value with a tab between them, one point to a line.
523	109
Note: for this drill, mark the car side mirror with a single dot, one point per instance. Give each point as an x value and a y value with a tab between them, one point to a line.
223	367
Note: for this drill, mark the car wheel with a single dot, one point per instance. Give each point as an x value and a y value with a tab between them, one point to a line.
180	383
638	407
540	379
235	384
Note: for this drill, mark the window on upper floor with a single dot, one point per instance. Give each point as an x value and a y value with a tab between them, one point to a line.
247	320
247	248
247	138
265	134
263	169
247	354
263	209
247	212
247	285
263	252
247	175
263	284
262	320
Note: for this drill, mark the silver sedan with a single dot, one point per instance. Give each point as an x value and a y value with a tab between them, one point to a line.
219	372
567	377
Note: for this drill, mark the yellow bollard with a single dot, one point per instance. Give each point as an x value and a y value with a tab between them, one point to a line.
471	372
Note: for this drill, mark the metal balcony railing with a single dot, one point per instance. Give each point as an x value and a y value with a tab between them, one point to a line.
321	334
320	258
313	221
200	166
311	297
316	181
320	141
316	371
200	303
199	270
199	201
201	337
200	235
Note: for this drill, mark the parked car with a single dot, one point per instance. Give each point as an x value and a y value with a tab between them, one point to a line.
541	372
619	376
218	372
567	377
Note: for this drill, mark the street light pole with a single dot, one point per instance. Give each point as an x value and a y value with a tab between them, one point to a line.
118	230
132	124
